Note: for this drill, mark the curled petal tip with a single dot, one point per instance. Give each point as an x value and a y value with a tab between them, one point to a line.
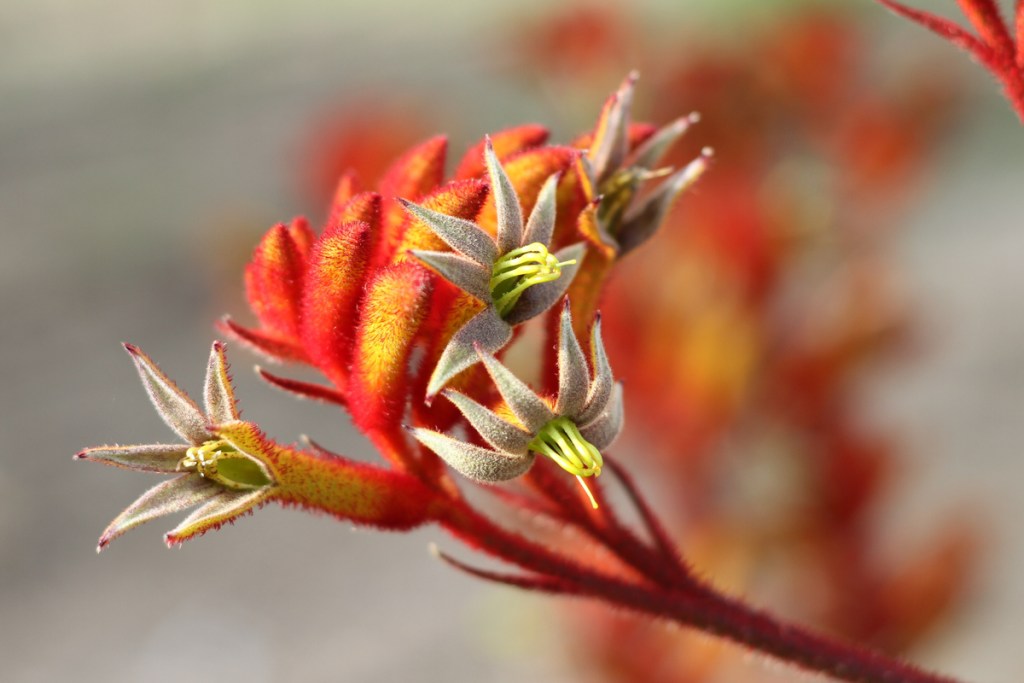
693	117
132	348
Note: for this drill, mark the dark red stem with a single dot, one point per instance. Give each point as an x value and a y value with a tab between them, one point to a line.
686	601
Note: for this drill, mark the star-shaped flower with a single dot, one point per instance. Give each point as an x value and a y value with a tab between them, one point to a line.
615	175
215	468
513	273
573	429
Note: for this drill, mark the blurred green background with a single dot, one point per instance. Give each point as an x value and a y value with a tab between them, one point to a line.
143	149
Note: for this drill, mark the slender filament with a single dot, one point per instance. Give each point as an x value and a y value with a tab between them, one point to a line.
520	269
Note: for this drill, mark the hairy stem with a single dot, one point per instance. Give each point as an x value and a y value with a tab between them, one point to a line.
689	603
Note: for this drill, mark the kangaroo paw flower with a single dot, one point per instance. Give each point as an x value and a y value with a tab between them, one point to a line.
614	174
215	471
572	430
513	273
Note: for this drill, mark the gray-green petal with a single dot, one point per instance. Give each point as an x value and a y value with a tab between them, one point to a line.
154	457
485	329
573	376
506	203
461	235
218	395
224	507
603	431
541	225
498	432
644	219
464	273
531	410
175	407
168	497
601	388
650	152
479	464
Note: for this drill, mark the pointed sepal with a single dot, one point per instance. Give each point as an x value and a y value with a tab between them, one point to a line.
175	407
461	199
506	202
221	509
531	410
460	234
486	329
573	376
604	430
474	462
218	393
600	390
464	273
157	457
166	498
495	430
643	220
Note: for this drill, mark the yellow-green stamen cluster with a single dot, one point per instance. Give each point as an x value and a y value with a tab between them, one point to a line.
617	193
561	441
520	269
222	463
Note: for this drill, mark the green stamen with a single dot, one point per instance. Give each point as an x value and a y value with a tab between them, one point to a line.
617	193
221	462
561	441
520	269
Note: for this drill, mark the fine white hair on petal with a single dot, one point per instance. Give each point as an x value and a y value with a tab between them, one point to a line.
479	464
603	431
166	498
486	329
531	410
506	202
611	145
541	225
573	376
218	394
463	236
494	429
650	152
643	220
601	387
154	457
464	273
175	407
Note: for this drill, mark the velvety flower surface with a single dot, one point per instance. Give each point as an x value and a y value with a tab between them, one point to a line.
513	273
616	172
585	417
216	467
